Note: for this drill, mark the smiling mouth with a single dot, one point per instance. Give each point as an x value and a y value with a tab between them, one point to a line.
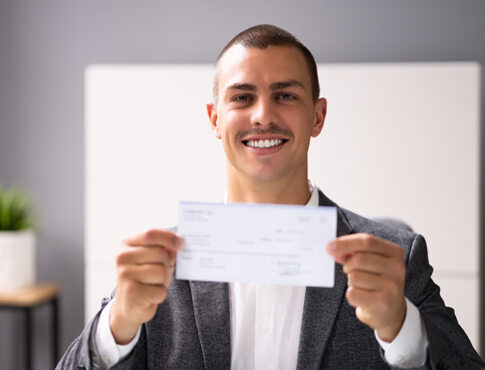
264	143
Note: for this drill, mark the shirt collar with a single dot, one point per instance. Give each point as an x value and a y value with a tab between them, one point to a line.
313	201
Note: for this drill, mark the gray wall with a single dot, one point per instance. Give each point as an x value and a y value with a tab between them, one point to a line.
45	46
4	85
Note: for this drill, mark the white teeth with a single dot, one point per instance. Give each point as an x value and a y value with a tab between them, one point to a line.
264	143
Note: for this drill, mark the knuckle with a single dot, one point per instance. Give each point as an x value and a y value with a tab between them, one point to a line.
351	277
131	288
367	240
350	296
149	234
358	259
124	272
127	241
158	294
122	257
360	314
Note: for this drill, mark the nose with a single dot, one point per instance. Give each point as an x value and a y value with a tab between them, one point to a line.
264	112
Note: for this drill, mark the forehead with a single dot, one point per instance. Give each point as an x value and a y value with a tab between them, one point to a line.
261	66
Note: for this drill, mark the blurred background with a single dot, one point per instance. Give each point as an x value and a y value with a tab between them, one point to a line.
46	46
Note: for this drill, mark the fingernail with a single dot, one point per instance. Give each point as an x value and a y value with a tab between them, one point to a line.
332	246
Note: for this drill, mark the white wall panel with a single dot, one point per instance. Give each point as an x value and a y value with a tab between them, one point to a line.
403	141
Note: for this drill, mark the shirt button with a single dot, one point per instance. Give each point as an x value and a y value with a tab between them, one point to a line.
264	328
400	360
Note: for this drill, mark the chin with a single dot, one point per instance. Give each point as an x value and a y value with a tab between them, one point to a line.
264	176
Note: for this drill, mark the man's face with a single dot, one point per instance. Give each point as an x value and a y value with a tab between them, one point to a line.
265	114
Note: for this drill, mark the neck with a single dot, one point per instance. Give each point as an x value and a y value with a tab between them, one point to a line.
280	191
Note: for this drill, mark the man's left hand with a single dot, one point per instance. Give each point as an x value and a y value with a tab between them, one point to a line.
375	277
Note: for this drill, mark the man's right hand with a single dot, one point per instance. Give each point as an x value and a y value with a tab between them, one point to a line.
145	268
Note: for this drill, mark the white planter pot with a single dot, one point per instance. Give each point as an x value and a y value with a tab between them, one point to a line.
17	259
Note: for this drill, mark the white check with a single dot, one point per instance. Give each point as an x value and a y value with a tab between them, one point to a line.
277	244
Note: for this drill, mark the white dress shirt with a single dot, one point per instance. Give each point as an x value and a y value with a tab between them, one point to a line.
265	328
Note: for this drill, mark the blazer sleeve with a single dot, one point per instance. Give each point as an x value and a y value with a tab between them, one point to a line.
80	353
449	346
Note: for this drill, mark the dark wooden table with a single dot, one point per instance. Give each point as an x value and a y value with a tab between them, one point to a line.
26	300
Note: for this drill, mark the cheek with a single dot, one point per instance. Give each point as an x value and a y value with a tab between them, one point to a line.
227	135
230	124
301	125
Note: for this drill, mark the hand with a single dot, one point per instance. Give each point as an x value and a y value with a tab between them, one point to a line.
375	278
145	268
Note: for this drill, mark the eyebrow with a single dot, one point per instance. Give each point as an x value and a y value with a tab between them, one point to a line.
285	84
242	86
274	86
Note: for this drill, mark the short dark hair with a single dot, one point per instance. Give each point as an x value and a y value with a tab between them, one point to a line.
264	35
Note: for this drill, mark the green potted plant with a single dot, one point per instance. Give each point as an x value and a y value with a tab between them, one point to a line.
17	239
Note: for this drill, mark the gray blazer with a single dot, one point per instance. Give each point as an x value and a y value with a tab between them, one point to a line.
191	329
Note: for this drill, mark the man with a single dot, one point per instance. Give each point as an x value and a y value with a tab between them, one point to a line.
384	310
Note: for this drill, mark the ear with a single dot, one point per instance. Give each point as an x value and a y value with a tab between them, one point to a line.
320	113
212	113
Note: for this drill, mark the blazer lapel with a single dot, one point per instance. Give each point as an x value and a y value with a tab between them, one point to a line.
211	309
321	306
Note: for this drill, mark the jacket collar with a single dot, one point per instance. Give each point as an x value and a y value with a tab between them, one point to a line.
211	308
321	306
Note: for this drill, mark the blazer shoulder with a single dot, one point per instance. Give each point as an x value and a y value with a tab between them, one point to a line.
360	224
350	222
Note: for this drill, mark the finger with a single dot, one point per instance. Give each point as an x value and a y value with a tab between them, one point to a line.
156	237
350	244
369	262
145	255
358	297
380	300
152	294
144	274
364	280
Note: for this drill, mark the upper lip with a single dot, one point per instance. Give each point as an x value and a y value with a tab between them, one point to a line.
271	133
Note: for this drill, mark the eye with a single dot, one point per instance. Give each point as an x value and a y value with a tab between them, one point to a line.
285	96
243	98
